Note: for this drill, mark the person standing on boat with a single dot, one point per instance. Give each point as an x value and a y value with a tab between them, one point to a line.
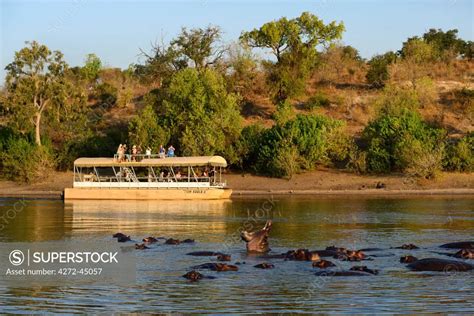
171	151
161	153
119	153
134	153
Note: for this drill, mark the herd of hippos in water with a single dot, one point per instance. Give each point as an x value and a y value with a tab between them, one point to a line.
257	243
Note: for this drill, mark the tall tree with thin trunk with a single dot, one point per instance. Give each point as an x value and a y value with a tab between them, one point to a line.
35	82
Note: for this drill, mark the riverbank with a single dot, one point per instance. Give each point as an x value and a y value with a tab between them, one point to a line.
318	182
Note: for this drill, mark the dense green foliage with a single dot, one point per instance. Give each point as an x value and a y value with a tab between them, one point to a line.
301	143
199	114
92	67
21	159
378	73
460	154
403	142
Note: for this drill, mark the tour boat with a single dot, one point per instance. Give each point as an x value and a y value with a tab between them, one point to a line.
148	177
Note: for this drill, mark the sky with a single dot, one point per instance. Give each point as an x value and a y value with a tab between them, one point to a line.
117	30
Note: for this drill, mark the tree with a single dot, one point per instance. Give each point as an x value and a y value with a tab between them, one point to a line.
444	43
35	82
92	67
191	48
202	117
294	44
198	46
145	129
340	63
417	55
378	73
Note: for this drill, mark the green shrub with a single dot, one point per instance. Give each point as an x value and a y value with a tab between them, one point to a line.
312	139
317	101
247	146
398	142
394	100
460	155
24	161
378	73
284	113
107	94
286	161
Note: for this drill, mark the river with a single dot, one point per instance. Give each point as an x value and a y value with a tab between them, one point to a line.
298	222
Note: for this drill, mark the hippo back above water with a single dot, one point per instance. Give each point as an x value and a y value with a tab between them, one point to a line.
459	245
441	265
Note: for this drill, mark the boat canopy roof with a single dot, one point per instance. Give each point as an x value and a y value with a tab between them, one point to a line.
214	161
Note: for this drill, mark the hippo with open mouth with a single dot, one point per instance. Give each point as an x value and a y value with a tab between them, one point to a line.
257	241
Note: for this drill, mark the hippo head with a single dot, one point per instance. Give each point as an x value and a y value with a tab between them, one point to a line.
257	241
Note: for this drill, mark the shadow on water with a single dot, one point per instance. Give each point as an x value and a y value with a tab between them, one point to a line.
299	222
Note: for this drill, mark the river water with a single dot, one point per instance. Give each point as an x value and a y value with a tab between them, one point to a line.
298	222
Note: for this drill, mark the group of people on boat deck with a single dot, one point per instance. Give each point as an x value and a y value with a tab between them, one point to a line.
136	152
177	175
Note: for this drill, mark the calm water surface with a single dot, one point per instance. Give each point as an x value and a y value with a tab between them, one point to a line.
291	287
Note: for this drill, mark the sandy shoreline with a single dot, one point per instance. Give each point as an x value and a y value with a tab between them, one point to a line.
324	182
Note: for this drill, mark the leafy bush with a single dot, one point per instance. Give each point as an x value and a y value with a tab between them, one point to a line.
317	101
145	130
307	139
425	91
248	145
395	100
399	142
107	94
460	155
378	72
23	161
284	113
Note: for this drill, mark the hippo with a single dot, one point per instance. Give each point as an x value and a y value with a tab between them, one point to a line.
196	276
193	276
364	269
408	259
121	237
205	253
217	267
150	240
330	251
264	265
141	246
436	264
351	255
257	242
464	254
408	247
342	273
459	245
370	249
302	255
172	241
223	257
188	241
323	264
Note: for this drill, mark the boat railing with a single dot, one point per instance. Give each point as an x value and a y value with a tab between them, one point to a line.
137	157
